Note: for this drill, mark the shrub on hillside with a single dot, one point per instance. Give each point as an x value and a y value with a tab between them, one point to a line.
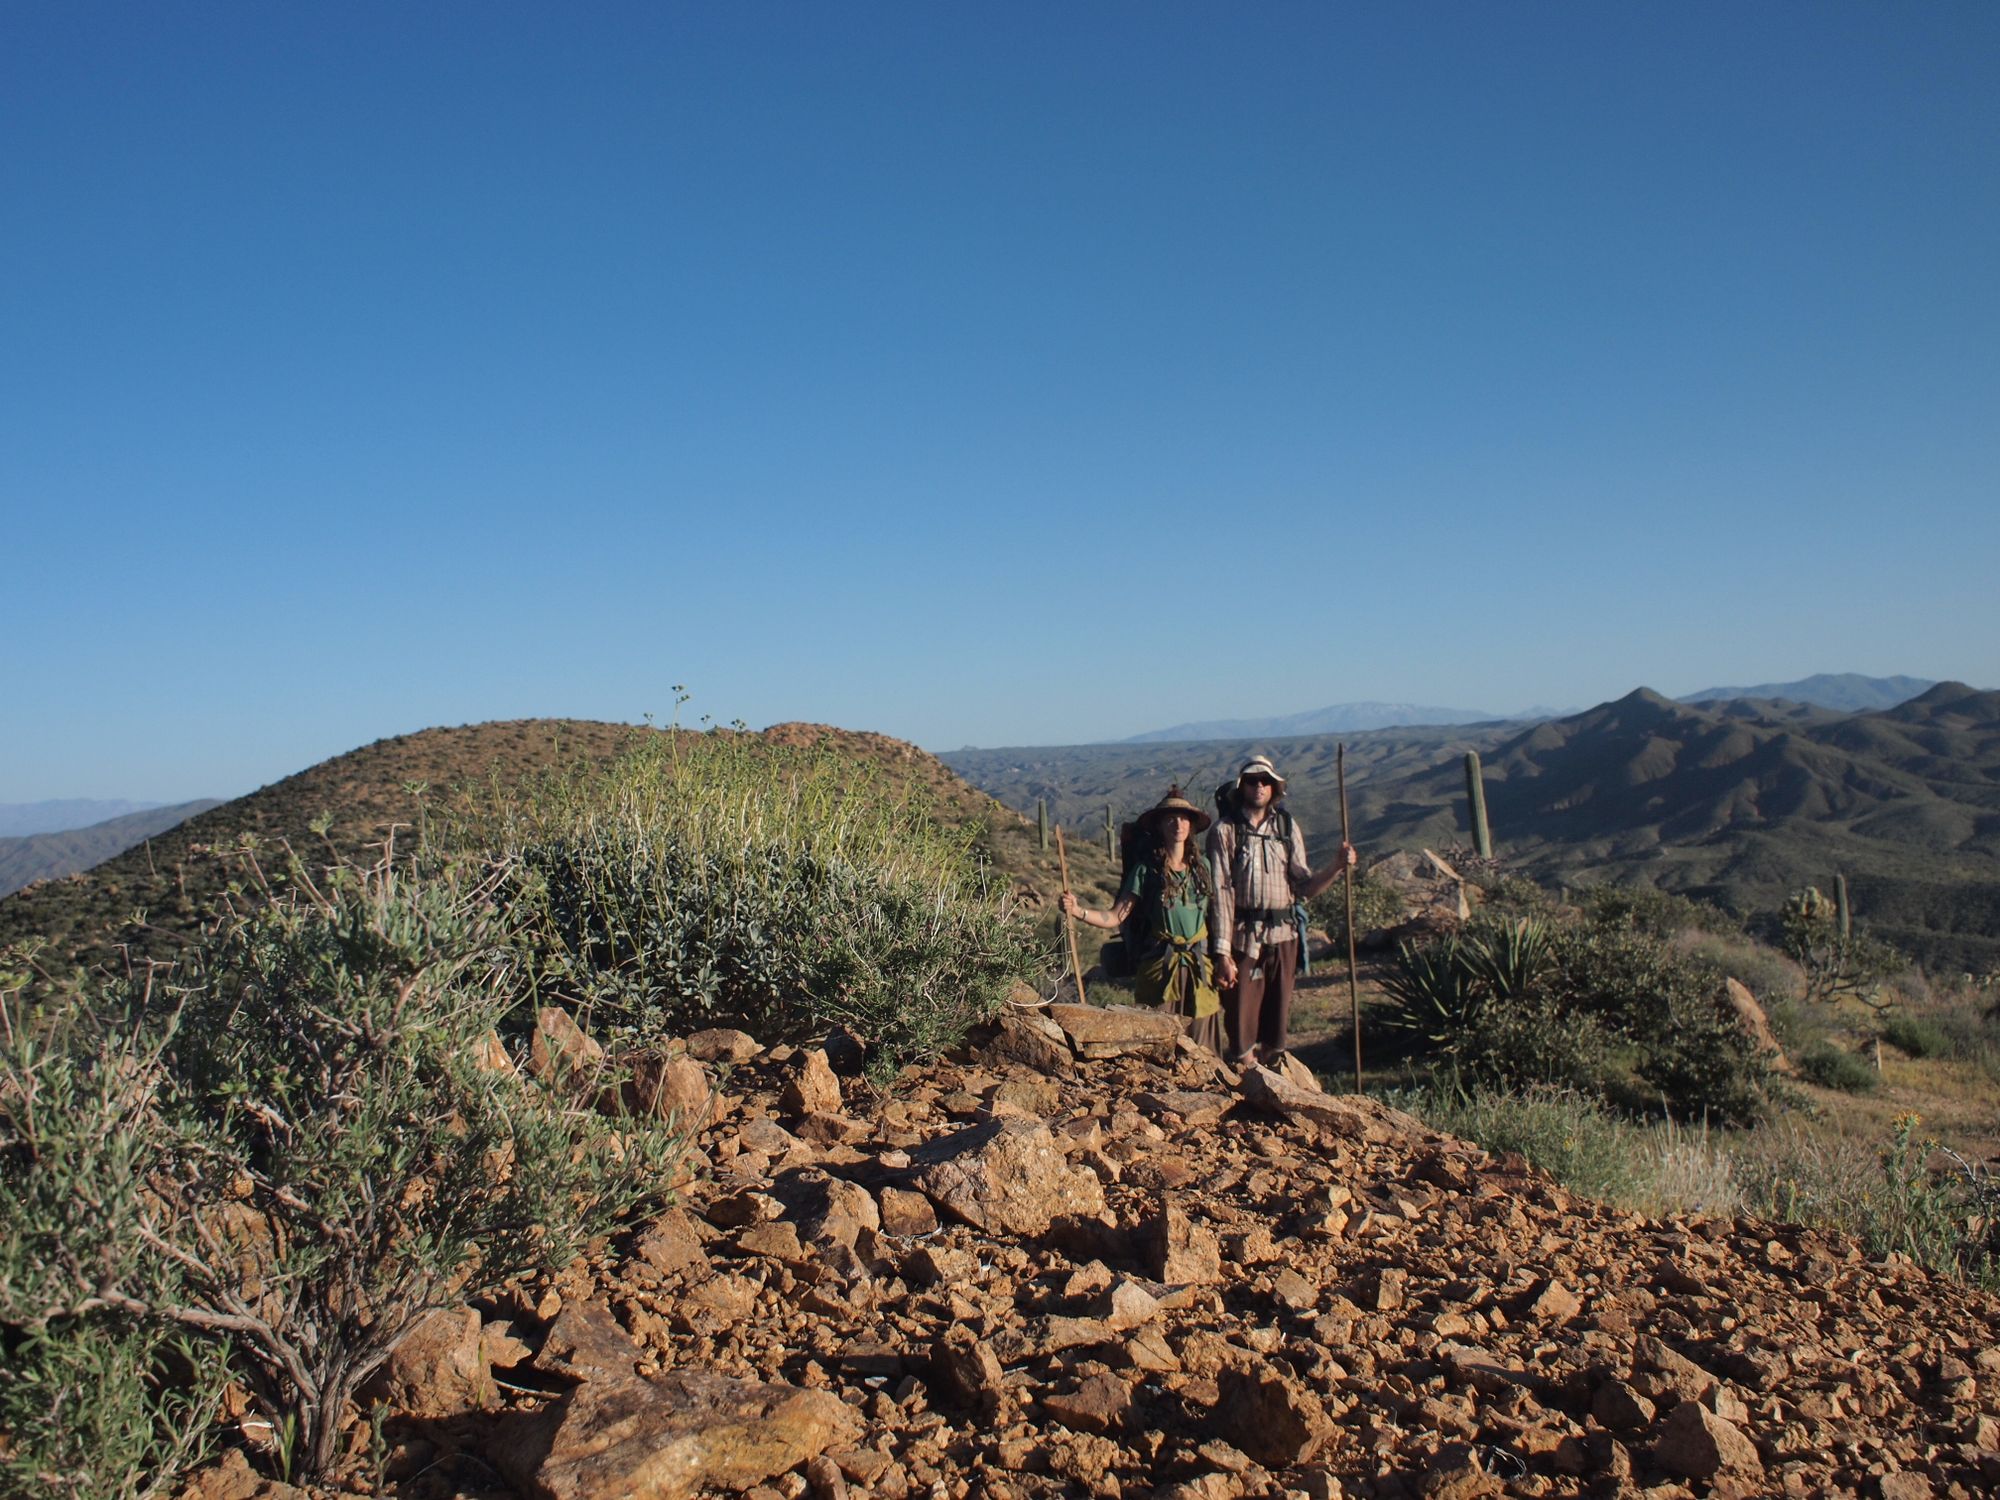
1656	913
1834	1067
95	1401
1916	1036
324	1149
1377	904
1904	1195
732	881
1516	1004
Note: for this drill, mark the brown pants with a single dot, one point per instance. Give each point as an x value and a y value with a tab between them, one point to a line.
1258	1007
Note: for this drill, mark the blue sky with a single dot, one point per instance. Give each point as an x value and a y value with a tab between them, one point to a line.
948	369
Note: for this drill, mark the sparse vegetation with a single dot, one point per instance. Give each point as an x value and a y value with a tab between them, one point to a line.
727	880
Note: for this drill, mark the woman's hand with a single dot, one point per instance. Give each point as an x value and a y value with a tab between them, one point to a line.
1067	901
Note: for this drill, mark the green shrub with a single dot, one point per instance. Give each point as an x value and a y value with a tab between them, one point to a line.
1685	1044
1377	904
1515	1004
1834	1067
1656	913
1916	1036
1765	972
316	1149
95	1401
731	881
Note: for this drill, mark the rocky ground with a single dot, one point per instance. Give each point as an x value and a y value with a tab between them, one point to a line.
1085	1259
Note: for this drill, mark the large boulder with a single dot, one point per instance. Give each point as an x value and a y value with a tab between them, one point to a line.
1118	1030
1007	1177
630	1438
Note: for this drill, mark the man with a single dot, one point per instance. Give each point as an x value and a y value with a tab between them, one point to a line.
1257	863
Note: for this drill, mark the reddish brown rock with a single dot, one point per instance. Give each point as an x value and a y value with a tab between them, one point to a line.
721	1045
1354	1116
1274	1418
670	1243
635	1439
1756	1025
1696	1444
560	1053
1029	1038
585	1343
1118	1030
966	1369
440	1367
672	1086
1007	1176
905	1213
1175	1249
1097	1405
814	1088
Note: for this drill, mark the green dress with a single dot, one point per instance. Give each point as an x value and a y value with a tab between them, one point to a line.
1173	969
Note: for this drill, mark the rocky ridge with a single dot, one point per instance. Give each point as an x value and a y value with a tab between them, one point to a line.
1084	1257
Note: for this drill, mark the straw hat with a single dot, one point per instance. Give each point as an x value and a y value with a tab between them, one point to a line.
1174	802
1260	765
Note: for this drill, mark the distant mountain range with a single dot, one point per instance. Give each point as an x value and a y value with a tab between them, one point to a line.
19	819
68	851
1845	692
1335	719
1849	692
1740	801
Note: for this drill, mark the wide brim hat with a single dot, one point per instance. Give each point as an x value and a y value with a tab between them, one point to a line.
1260	765
1174	802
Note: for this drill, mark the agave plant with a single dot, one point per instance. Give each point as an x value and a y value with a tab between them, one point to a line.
1436	993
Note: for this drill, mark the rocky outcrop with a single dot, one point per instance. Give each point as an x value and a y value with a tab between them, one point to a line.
1032	1272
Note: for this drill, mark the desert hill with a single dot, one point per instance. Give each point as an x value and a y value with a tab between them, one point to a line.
1738	802
49	856
147	898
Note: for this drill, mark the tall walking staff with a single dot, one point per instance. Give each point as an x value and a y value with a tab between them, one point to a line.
1353	982
1069	922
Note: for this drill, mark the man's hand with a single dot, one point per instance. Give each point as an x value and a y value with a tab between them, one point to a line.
1225	970
1348	856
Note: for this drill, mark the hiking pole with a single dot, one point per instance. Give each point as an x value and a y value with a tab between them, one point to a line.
1069	922
1353	983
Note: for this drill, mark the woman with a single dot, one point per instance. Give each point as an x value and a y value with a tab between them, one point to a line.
1166	897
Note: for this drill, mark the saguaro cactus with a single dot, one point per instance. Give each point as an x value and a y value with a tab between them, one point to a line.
1042	823
1110	833
1843	913
1475	796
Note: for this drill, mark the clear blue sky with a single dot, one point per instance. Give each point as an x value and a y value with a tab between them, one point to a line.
369	367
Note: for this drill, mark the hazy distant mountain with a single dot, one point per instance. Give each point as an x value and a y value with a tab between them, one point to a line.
1848	692
1338	718
19	819
69	851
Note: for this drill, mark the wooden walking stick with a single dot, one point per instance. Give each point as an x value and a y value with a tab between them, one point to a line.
1069	922
1353	982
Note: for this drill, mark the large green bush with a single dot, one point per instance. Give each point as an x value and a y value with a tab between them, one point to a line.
95	1399
315	1145
1601	1006
725	880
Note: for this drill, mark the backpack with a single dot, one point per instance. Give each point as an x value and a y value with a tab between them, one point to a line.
1120	955
1279	821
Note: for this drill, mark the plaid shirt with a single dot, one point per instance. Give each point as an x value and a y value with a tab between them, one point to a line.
1255	871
